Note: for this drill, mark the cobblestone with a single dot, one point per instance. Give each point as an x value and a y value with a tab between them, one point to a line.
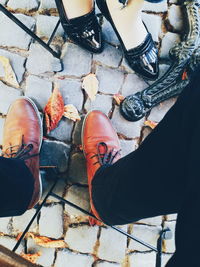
170	244
153	23
152	221
107	264
47	5
174	13
127	147
9	242
108	33
102	102
1	132
23	4
168	42
155	7
5	225
132	85
19	223
142	259
77	169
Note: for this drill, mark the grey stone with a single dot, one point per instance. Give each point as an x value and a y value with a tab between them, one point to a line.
77	238
110	80
126	128
63	131
76	61
133	84
47	4
127	146
23	4
76	136
165	259
6	225
70	259
12	35
54	153
102	102
10	242
8	94
175	17
111	56
106	264
39	90
59	190
41	61
163	68
77	169
17	63
155	7
171	217
20	222
154	221
1	130
170	243
109	34
153	24
142	259
3	2
125	67
71	92
51	221
168	41
46	24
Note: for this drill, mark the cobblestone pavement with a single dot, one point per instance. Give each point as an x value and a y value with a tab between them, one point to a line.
38	73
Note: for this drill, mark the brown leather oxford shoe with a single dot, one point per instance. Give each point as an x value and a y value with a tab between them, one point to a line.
100	145
22	139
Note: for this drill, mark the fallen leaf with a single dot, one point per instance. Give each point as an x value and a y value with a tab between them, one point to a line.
46	242
10	77
31	257
71	113
54	110
118	98
184	76
90	85
151	124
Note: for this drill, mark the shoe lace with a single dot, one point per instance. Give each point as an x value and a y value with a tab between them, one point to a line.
107	157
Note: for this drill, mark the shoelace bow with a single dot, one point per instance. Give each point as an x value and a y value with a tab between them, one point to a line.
107	157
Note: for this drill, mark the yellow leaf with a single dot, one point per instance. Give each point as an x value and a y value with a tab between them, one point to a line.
151	124
46	242
71	113
118	98
31	257
90	85
10	77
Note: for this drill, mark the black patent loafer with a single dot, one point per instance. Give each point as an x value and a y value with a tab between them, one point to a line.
84	30
143	59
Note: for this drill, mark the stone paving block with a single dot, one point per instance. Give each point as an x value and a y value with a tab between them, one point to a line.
82	238
17	63
3	2
158	112
110	80
46	24
125	67
1	130
39	90
47	4
165	259
127	128
152	221
54	153
142	259
102	102
54	215
106	264
10	242
127	146
8	94
163	69
66	258
149	234
77	169
79	196
153	24
23	4
133	84
76	136
71	92
109	34
47	254
171	217
41	61
111	56
6	225
76	61
114	252
175	17
170	244
12	35
167	43
20	222
155	7
63	131
58	190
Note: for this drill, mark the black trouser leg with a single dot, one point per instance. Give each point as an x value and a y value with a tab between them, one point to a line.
16	187
161	176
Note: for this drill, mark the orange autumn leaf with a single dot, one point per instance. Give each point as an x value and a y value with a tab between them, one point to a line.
71	113
184	76
118	98
54	110
90	85
46	242
151	124
31	257
94	222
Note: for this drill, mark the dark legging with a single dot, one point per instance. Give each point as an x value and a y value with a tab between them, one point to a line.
161	177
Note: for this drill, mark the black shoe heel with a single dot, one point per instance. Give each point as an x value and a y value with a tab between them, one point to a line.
84	30
143	59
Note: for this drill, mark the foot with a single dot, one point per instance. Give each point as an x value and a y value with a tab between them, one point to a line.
77	8
22	138
100	145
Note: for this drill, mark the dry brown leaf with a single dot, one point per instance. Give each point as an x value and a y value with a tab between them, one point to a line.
118	98
31	257
10	77
71	113
54	110
90	85
151	124
46	242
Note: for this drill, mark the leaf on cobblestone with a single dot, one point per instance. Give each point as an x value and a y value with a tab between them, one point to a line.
31	257
54	110
71	113
46	242
90	85
184	76
10	77
118	98
151	124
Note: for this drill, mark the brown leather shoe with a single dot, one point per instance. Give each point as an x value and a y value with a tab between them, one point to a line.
22	138
100	145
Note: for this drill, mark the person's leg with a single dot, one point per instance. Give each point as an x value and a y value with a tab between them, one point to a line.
77	8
